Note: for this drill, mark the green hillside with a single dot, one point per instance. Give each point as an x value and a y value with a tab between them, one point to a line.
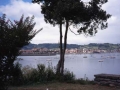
69	46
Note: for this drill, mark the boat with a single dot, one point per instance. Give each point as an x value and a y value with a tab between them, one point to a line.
100	60
85	57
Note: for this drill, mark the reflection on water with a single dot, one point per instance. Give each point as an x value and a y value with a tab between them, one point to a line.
82	67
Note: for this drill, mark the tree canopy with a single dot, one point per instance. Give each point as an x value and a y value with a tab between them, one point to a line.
86	17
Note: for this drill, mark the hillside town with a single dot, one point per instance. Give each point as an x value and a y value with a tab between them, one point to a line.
68	51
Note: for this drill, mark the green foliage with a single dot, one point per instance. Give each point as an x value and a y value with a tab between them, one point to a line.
13	36
68	76
28	75
17	77
82	81
40	75
41	72
72	46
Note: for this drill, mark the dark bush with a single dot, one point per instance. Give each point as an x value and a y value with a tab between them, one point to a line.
17	76
13	36
43	74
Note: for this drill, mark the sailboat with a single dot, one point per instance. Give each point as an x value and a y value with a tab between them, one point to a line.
84	54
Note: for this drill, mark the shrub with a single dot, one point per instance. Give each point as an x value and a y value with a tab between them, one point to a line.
13	36
68	76
43	74
17	76
28	75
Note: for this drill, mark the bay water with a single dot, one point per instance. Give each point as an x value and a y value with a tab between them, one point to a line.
82	67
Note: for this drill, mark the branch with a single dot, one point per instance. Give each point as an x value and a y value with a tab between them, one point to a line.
38	31
73	32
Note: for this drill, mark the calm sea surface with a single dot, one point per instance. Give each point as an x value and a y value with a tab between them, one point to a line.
81	67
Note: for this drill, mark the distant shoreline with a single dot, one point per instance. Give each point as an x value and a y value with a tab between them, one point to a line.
38	54
53	54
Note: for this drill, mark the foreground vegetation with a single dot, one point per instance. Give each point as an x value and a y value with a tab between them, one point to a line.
13	36
42	75
28	75
45	78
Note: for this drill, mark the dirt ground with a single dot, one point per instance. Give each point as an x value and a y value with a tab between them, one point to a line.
64	86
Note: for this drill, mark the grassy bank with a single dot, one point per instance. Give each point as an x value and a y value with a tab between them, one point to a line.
63	86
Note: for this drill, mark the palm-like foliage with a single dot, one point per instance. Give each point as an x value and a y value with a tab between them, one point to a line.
13	36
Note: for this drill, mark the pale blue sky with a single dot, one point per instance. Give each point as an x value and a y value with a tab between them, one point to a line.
15	8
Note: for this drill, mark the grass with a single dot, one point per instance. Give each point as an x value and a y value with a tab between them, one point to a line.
63	86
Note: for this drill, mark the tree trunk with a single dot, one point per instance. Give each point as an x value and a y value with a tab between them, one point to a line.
61	50
60	66
65	44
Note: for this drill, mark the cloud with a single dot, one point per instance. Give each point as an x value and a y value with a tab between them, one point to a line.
18	7
50	34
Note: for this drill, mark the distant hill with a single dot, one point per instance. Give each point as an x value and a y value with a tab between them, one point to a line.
49	46
69	46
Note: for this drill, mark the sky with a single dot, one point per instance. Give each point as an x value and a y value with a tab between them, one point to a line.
14	9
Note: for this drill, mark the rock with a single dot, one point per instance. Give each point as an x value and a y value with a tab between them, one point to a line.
108	79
